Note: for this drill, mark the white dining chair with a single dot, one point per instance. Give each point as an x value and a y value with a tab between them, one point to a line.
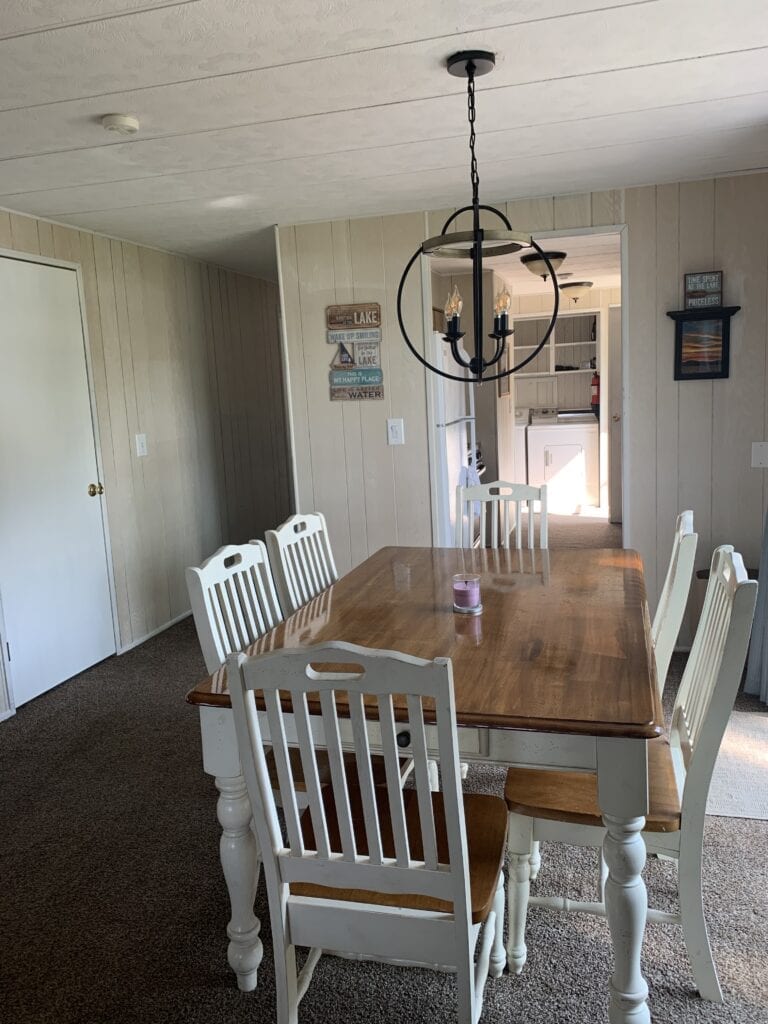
494	500
674	596
233	600
301	558
234	603
563	806
403	875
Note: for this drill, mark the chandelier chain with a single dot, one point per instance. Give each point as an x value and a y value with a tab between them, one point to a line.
473	174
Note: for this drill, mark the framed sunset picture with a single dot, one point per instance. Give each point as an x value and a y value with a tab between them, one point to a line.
702	343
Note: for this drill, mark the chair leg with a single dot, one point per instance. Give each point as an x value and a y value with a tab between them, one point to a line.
694	924
498	953
519	847
535	859
465	991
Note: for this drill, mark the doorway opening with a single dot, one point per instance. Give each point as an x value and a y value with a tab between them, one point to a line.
564	410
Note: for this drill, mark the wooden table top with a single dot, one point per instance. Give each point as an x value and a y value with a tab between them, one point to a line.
562	644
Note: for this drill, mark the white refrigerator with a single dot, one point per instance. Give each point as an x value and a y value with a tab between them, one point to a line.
452	440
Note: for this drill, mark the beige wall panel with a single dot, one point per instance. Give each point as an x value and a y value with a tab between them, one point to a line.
366	245
608	207
695	413
204	459
344	281
408	398
640	355
295	369
78	247
67	244
314	252
45	238
125	515
741	251
573	211
24	235
665	429
532	215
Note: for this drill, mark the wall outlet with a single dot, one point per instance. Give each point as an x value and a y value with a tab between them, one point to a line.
760	455
141	445
395	432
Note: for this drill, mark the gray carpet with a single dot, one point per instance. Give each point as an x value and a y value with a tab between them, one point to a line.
114	909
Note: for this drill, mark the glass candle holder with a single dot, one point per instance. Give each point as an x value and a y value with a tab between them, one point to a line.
466	593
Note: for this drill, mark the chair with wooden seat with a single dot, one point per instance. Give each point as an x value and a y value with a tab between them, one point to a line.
674	596
495	521
403	875
563	806
301	558
234	602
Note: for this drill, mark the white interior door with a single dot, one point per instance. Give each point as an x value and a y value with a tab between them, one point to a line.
54	576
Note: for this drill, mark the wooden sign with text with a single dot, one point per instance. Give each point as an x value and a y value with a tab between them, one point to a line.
354	315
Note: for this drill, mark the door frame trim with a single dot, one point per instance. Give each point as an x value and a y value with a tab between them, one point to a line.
50	261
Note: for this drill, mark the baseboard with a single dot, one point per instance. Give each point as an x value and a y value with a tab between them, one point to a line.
8	713
154	632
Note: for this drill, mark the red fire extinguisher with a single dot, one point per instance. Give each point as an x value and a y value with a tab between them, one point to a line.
595	399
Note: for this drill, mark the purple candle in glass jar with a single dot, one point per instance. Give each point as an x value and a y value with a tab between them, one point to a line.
466	592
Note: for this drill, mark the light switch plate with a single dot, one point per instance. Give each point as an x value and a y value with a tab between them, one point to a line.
395	432
141	445
760	455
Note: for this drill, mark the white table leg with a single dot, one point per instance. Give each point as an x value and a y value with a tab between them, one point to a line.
240	863
623	792
626	905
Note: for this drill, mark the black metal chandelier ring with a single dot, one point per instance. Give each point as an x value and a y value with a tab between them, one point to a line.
477	244
466	236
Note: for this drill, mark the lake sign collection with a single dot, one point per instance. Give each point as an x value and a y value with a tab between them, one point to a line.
355	331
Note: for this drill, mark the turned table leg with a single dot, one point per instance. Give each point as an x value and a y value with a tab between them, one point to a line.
623	794
240	863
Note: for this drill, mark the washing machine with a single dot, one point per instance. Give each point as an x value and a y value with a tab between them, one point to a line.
563	453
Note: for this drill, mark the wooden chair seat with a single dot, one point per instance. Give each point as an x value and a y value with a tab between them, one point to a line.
572	796
486	825
324	768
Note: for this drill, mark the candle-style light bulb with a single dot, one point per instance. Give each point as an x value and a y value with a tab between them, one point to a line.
501	308
453	308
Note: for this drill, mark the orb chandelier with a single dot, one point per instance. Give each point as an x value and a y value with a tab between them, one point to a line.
477	245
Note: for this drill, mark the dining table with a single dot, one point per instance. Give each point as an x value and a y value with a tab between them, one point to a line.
557	670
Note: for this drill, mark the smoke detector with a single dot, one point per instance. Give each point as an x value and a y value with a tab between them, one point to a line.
122	124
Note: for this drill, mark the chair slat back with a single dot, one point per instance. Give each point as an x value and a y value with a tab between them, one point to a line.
713	673
496	518
367	837
233	599
674	595
302	560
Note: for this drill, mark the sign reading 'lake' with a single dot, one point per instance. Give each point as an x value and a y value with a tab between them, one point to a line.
353	316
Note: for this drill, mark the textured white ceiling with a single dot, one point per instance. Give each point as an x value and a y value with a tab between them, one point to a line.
254	113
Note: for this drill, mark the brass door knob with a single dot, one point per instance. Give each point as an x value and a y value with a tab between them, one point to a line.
615	418
94	489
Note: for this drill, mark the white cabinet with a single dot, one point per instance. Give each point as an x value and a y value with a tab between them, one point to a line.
564	456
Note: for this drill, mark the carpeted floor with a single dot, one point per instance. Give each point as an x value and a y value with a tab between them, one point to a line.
114	909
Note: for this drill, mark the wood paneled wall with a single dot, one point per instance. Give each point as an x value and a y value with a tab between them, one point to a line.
371	493
687	445
188	354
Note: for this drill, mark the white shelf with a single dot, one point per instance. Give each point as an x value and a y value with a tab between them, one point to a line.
559	373
568	344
